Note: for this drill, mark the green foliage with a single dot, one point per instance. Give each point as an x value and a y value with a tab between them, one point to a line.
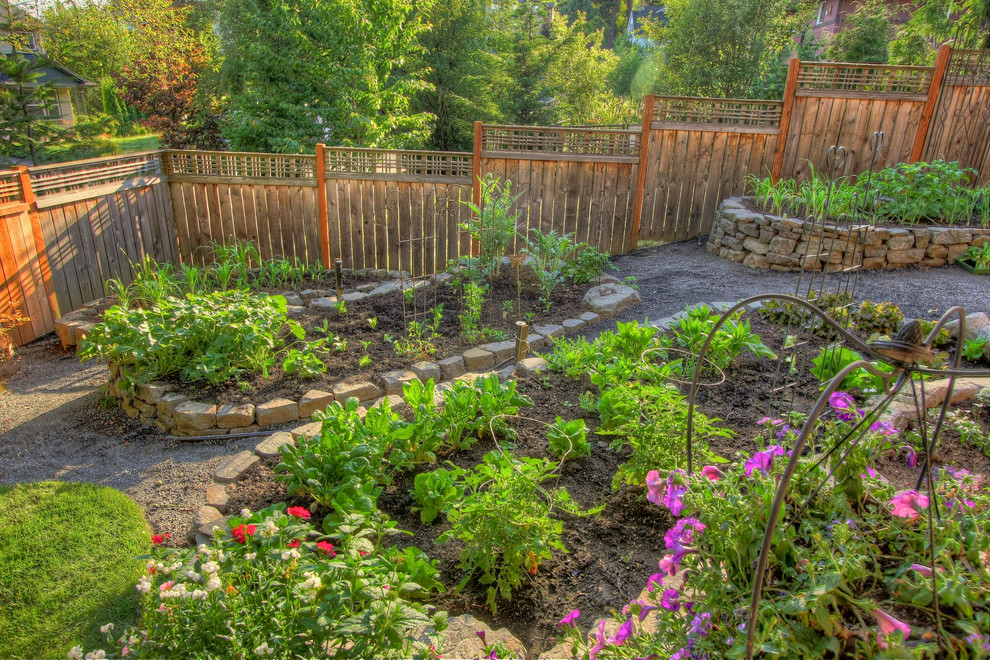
336	72
555	259
733	337
476	410
979	256
494	224
834	358
418	342
23	100
436	492
213	337
865	35
568	440
723	50
973	349
305	362
283	588
470	318
505	522
934	22
877	318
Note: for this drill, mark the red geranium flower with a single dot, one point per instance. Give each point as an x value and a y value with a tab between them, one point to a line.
294	543
327	548
241	532
158	539
299	512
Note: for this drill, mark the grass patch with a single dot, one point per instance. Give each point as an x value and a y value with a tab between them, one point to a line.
133	143
68	564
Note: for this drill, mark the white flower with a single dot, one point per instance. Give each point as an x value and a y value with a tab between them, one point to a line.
203	550
98	654
213	583
106	628
264	649
144	585
75	653
245	513
193	575
291	553
210	567
174	567
308	589
250	556
197	594
269	529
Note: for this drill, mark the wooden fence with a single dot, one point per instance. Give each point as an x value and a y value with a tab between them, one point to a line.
66	229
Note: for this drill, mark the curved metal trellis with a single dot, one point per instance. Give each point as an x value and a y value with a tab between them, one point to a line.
906	355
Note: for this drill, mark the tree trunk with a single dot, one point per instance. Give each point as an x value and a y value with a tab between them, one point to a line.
613	16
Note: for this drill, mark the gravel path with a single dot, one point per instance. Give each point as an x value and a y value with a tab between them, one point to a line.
52	425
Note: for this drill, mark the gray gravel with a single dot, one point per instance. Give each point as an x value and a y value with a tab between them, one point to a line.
52	425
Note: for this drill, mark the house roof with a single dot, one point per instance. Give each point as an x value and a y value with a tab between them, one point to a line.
648	12
53	72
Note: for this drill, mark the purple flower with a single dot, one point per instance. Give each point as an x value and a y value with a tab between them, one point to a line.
569	619
656	580
784	430
600	641
712	473
645	608
654	487
670	600
763	460
673	498
978	642
926	571
884	428
683	532
907	505
701	625
681	654
763	421
481	636
870	472
841	401
959	502
911	455
625	632
668	566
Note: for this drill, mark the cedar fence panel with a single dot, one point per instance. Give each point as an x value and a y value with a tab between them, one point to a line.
22	288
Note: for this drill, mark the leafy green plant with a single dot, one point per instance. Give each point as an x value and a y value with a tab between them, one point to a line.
973	349
420	335
305	363
550	254
436	492
505	522
588	263
472	411
693	329
979	256
364	362
373	322
493	224
341	307
834	358
213	337
470	318
568	440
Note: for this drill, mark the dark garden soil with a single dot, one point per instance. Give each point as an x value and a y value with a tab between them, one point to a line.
393	313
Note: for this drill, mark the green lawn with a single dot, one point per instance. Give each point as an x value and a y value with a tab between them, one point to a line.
138	143
68	564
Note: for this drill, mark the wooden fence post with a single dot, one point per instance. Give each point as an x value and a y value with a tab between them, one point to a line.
27	194
644	156
476	179
321	205
934	90
785	117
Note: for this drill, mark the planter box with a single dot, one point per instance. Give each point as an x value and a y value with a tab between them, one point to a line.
969	266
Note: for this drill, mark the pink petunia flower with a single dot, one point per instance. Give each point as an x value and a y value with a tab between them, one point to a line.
907	505
625	632
887	626
569	619
670	600
654	487
922	569
712	473
600	641
673	498
841	401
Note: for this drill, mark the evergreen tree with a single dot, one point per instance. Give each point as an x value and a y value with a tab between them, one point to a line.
865	37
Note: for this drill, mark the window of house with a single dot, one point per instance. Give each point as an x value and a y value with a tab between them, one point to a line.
821	13
51	109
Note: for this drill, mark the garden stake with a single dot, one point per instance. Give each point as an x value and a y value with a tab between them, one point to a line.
522	345
337	278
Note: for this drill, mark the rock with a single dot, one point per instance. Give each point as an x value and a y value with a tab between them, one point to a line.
452	367
233	415
426	371
327	302
312	401
590	318
956	251
608	299
538	341
950	236
463	640
308	295
277	411
502	350
476	359
366	288
295	311
900	239
293	299
974	324
362	391
310	430
192	416
732	243
269	447
937	252
394	401
755	246
129	409
146	409
549	330
922	237
782	245
152	392
530	367
572	325
397	274
441	278
387	287
754	260
905	257
234	467
207	517
394	380
750	229
354	296
733	256
506	372
217	496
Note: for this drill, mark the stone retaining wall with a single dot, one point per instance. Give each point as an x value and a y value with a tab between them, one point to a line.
762	240
172	412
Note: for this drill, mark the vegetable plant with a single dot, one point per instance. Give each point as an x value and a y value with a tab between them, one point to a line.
493	224
973	349
979	256
568	440
436	492
420	335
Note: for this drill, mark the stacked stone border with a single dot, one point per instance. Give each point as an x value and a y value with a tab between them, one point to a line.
764	241
179	414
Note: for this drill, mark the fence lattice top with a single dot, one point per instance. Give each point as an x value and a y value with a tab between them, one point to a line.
346	160
969	67
875	79
47	180
615	142
10	188
239	164
683	109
